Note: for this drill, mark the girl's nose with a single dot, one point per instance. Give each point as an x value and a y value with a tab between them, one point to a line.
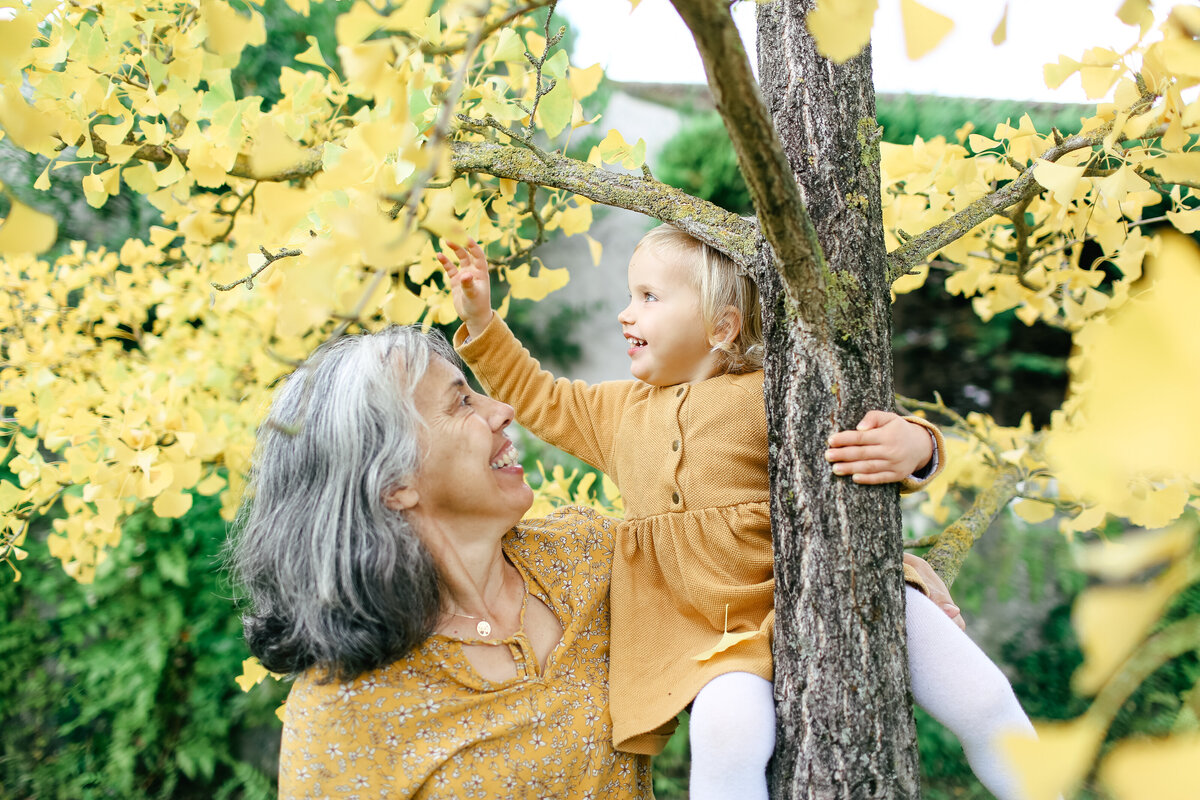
625	317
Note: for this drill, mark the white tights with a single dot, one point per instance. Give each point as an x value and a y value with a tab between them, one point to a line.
733	717
732	735
961	688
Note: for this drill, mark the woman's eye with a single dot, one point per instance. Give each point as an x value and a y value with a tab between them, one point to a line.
466	400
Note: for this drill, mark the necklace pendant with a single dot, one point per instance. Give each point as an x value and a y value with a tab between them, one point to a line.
483	628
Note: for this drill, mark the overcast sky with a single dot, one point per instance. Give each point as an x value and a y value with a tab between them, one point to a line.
652	44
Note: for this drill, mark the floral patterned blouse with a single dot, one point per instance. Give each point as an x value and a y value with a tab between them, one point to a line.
428	726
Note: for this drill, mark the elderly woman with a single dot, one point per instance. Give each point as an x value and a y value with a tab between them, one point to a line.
445	648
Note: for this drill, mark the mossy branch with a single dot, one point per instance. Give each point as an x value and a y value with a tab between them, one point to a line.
956	541
781	213
710	223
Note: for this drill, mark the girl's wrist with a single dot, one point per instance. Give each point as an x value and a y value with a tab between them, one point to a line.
475	325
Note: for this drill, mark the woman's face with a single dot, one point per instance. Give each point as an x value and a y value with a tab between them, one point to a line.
469	473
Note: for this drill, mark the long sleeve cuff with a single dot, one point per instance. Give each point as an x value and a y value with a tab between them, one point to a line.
919	479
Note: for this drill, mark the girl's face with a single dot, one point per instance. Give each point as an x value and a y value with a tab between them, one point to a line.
663	324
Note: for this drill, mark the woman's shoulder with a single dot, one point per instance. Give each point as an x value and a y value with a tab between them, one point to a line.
568	542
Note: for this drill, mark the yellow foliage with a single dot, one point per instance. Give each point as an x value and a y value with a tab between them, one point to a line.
1164	769
1051	765
1130	441
1112	620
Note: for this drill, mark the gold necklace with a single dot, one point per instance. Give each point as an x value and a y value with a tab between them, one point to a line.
484	628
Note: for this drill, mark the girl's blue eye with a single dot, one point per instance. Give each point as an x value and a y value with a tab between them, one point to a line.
650	297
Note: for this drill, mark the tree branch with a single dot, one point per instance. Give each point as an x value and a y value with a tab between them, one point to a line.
784	221
270	257
308	165
908	256
956	540
709	223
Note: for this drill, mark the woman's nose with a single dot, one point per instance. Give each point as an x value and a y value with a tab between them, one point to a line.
501	416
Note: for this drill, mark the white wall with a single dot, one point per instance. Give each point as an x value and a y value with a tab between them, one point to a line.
602	289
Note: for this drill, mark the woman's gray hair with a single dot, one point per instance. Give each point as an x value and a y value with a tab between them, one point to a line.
331	577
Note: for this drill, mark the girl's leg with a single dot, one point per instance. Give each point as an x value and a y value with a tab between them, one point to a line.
961	688
732	734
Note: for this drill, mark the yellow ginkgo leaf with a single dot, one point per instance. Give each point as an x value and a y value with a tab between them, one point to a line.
1060	179
230	31
1057	759
1165	769
1136	12
313	54
554	111
172	504
1185	221
728	640
842	28
28	128
1135	552
595	248
1178	167
253	673
273	151
1112	620
1034	511
403	307
26	231
1055	74
1000	34
16	45
924	28
536	287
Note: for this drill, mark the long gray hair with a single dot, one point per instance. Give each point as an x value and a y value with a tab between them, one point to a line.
330	576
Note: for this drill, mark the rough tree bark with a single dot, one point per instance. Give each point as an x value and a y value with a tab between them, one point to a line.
841	671
845	726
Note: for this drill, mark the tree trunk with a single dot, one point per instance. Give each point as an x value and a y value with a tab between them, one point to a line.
845	725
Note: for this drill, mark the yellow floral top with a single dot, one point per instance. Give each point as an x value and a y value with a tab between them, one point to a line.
428	726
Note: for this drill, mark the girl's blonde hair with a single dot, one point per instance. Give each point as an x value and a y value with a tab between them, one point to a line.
720	284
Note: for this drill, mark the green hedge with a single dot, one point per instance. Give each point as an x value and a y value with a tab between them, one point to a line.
125	688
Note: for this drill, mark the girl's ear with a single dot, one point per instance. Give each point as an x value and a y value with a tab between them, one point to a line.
728	327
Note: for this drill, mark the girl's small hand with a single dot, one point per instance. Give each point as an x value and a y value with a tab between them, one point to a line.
470	285
885	448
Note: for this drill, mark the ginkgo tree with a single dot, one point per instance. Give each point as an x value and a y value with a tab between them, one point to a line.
136	377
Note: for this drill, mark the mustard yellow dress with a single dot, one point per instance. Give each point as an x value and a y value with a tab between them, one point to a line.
693	558
428	726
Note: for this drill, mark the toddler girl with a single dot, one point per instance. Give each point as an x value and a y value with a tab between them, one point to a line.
686	443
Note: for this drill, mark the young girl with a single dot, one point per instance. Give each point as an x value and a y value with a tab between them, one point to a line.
686	445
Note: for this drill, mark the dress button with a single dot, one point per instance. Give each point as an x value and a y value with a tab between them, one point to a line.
679	392
675	497
675	445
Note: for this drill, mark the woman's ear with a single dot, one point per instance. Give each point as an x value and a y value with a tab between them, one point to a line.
401	498
728	327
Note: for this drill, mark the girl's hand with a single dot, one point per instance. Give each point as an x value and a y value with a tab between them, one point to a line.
470	285
885	448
